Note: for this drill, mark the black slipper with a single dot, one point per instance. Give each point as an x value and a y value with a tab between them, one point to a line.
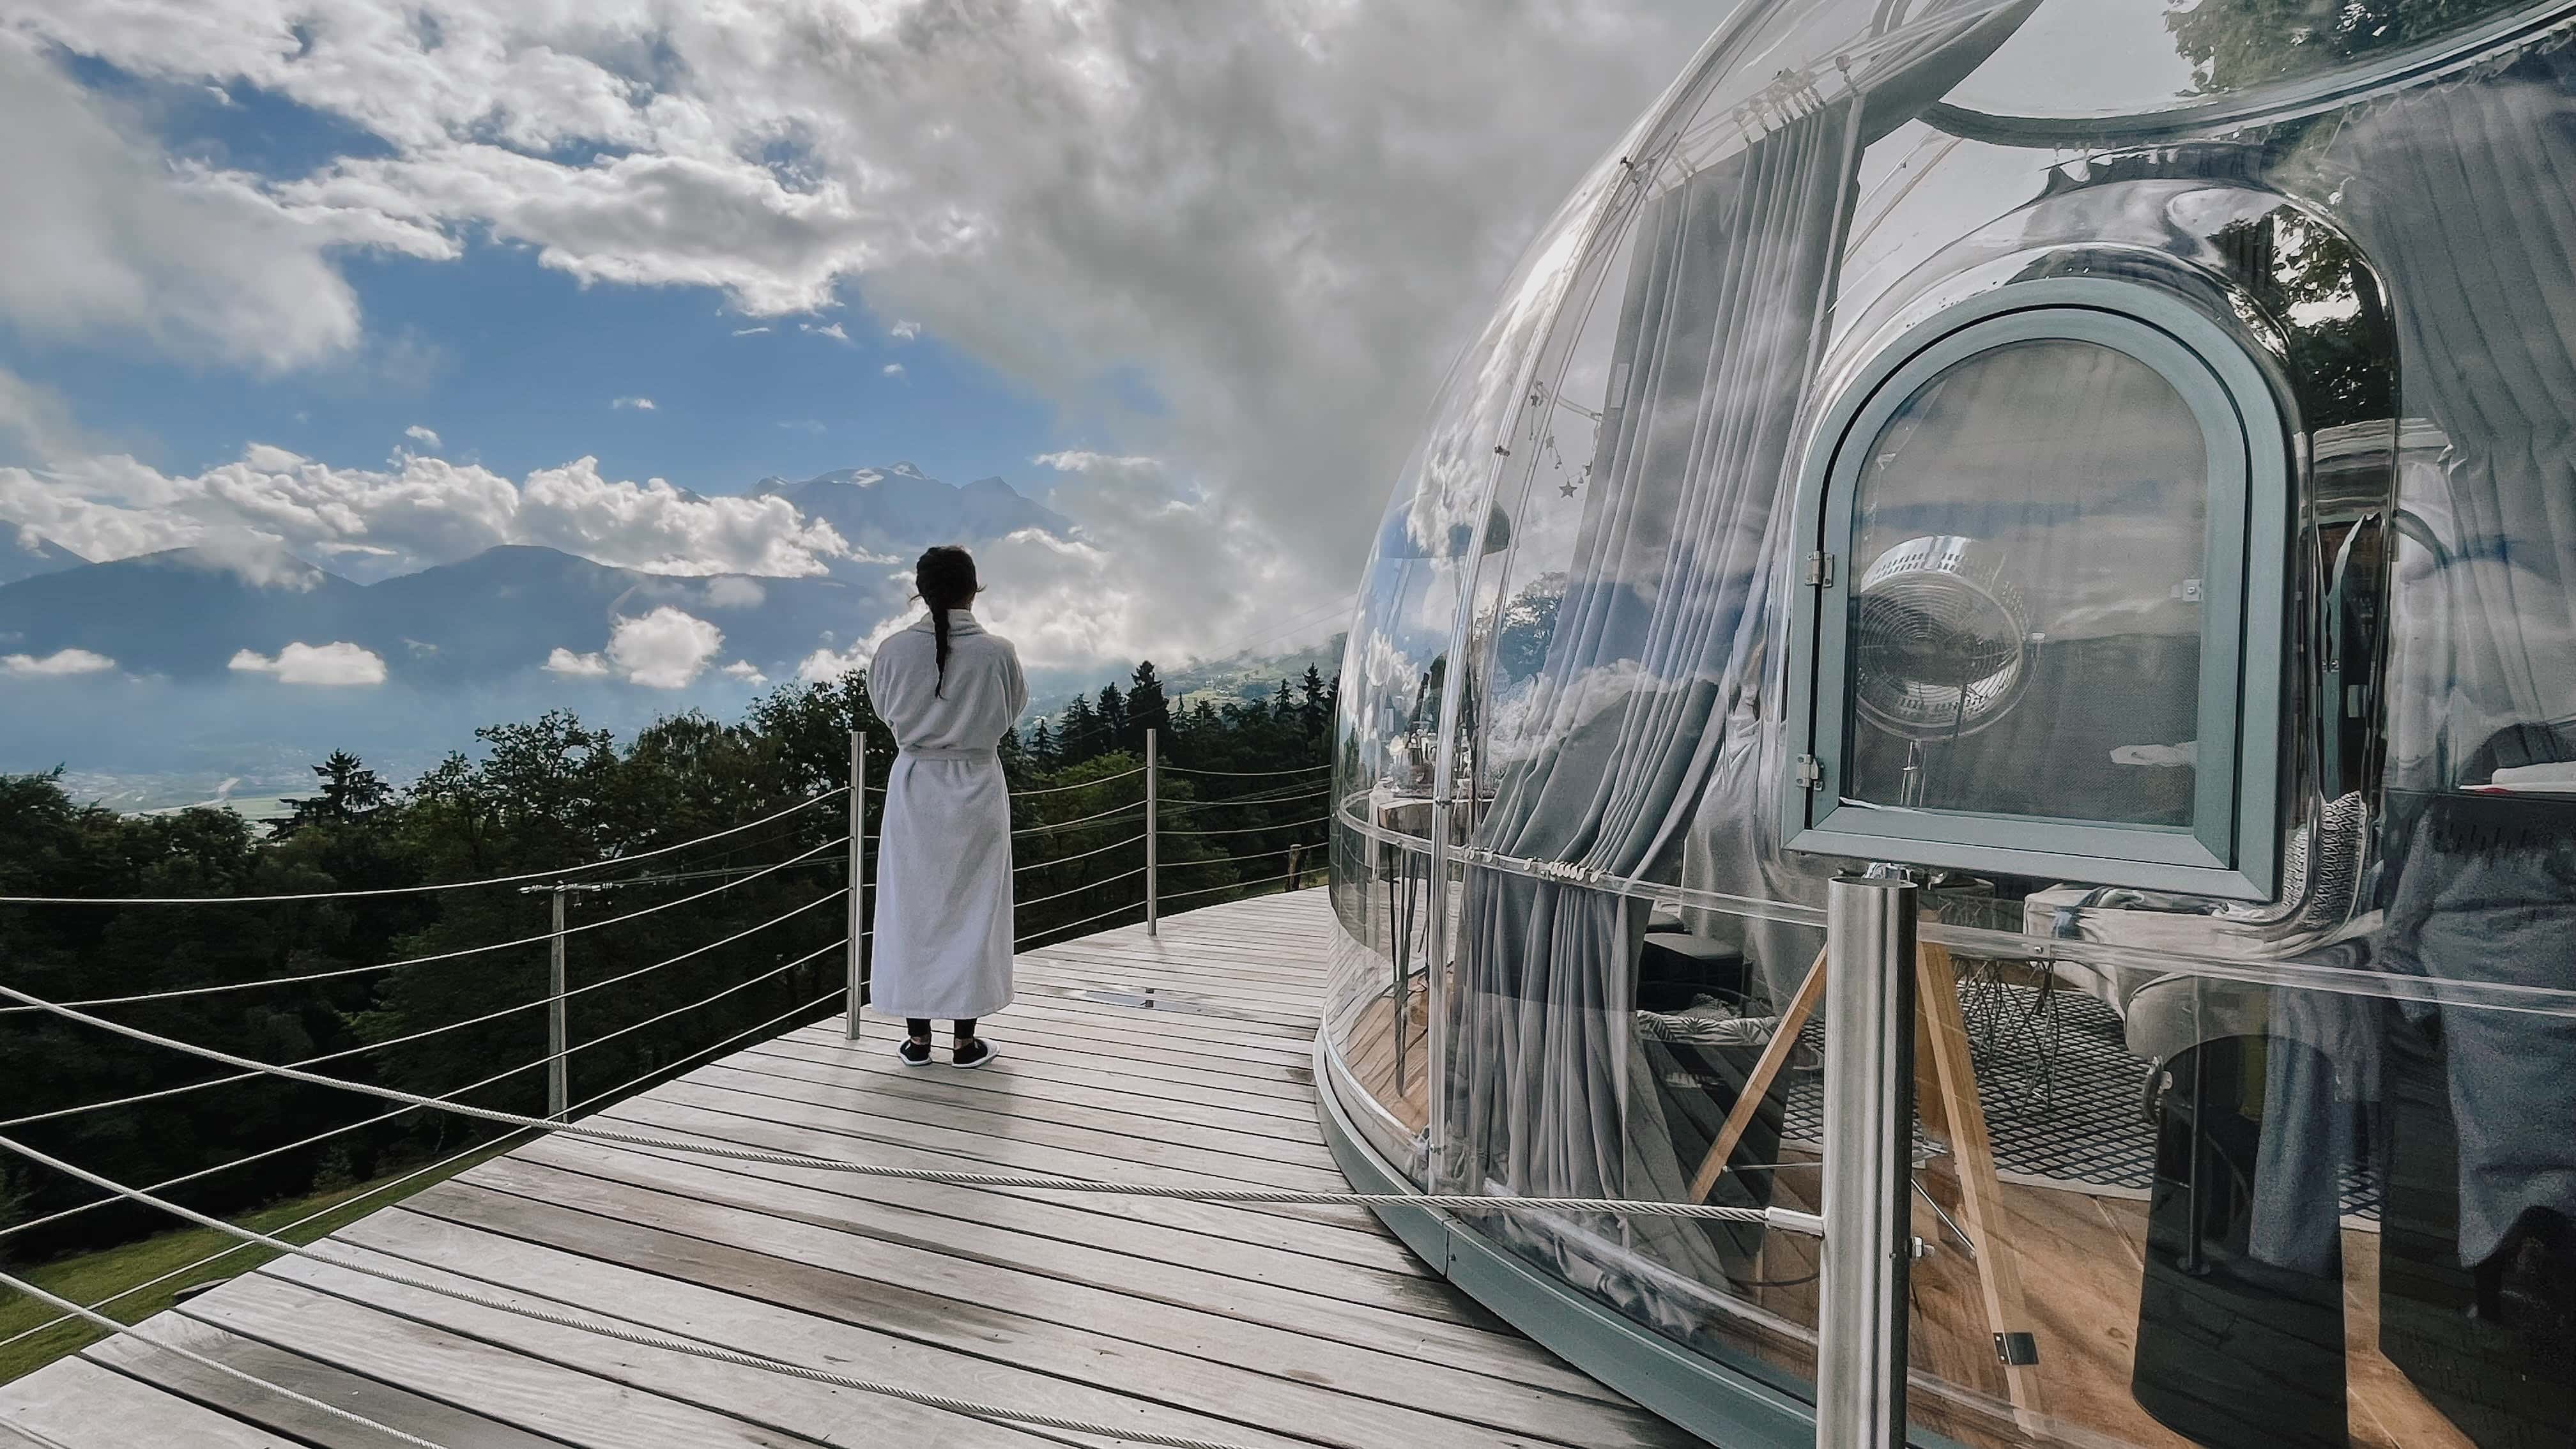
913	1053
974	1051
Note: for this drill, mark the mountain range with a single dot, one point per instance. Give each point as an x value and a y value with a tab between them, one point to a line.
187	614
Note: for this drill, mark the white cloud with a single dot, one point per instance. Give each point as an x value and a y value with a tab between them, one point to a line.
639	404
426	437
749	331
1271	225
424	511
114	240
665	649
746	671
1074	460
338	663
61	661
583	666
735	593
829	329
904	331
893	369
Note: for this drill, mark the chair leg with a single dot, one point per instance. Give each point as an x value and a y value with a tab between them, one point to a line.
1954	1086
1757	1083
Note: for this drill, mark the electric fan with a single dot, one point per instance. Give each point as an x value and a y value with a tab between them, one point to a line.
1940	646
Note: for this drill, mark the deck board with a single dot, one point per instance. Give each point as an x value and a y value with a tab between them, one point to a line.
1182	1060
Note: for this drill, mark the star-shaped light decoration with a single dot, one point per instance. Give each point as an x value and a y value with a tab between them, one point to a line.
1566	487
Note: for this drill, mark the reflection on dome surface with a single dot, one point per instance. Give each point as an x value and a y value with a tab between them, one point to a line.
2112	460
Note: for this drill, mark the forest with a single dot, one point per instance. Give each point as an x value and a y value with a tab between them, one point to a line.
672	955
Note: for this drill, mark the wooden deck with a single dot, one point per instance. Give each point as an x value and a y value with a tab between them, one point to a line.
1183	1061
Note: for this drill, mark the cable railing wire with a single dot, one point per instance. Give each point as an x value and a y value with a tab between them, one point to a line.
1236	859
1135	839
458	885
1244	774
1242	829
21	1285
78	1209
1077	890
1084	785
1212	890
1079	820
382	1188
348	971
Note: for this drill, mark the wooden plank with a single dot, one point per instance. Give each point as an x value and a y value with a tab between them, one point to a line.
576	1387
1162	1031
965	1230
1070	1153
1016	1075
431	1418
1031	1040
1339	1241
76	1404
1213	1018
1033	1064
1280	1380
1288	1074
990	1366
1294	1002
1210	1246
1058	1105
1296	984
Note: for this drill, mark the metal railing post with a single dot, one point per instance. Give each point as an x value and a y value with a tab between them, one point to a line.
558	1085
1869	1139
1153	845
857	949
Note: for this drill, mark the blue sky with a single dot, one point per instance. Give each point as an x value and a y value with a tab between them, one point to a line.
518	366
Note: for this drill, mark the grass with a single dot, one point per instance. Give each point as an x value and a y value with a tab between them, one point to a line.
89	1277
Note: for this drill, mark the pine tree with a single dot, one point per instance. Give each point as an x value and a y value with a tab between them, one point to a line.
1078	738
1114	722
1283	705
1146	708
1042	750
350	792
1310	709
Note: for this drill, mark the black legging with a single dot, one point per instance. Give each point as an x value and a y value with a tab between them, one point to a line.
920	1026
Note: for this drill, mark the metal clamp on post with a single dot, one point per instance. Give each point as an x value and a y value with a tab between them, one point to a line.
1869	1128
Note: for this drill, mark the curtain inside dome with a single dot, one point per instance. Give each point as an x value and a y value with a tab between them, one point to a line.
1658	645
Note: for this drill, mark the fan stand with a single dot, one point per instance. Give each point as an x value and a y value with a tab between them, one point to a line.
1945	1093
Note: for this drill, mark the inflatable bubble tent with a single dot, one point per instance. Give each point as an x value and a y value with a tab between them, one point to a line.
2117	462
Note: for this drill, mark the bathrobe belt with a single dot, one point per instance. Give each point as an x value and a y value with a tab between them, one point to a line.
952	752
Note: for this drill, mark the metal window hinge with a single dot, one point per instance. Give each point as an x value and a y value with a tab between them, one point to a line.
1820	570
2016	1350
1810	772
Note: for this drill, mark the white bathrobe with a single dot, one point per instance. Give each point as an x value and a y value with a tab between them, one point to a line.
943	907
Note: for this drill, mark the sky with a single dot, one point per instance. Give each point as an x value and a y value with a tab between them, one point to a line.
393	282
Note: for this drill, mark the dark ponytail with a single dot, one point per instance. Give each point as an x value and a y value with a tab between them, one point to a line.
945	580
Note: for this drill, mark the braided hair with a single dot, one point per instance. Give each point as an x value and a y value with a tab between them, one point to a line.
945	579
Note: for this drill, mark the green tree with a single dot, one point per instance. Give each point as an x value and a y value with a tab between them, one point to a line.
1146	708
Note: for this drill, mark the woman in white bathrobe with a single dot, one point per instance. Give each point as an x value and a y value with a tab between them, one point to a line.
949	691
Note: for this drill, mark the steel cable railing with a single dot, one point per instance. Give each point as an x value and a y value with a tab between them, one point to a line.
165	1093
1241	801
1246	774
1062	825
348	971
1077	890
1245	829
601	864
382	1188
1207	861
1136	839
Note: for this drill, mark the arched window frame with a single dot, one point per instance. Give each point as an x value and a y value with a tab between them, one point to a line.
2231	847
